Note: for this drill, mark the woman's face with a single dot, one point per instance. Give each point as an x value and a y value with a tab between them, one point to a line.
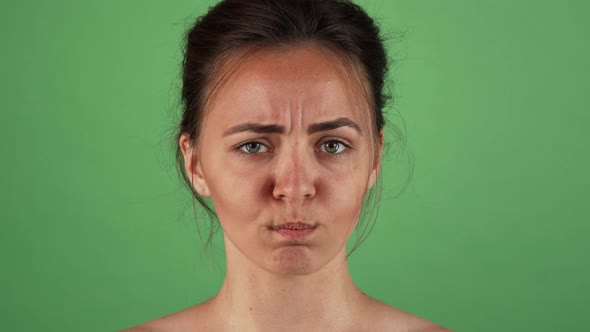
285	155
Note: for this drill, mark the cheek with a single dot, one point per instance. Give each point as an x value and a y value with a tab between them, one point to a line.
342	192
236	192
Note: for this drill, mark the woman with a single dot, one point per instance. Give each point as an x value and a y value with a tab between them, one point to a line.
282	129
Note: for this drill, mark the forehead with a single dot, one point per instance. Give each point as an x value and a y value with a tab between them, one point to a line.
272	85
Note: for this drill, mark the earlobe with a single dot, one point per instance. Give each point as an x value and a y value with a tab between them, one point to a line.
192	166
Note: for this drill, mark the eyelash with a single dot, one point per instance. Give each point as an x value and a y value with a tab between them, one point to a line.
338	154
240	148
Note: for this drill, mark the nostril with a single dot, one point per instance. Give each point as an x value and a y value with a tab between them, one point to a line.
293	190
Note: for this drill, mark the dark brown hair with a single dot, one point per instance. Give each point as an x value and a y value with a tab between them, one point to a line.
234	26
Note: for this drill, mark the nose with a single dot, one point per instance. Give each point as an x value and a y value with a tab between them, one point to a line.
293	177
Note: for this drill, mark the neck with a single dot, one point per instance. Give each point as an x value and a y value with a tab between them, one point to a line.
253	298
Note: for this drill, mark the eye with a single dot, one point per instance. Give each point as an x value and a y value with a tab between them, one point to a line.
253	147
333	147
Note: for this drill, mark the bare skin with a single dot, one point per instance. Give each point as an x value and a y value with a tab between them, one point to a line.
335	310
288	173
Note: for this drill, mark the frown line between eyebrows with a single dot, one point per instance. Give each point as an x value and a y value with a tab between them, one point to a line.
277	129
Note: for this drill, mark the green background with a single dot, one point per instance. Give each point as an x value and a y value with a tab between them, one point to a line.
97	233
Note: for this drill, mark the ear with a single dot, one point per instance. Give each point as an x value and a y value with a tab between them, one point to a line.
376	161
192	165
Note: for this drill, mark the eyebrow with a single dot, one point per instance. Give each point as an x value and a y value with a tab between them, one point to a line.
334	124
272	129
254	127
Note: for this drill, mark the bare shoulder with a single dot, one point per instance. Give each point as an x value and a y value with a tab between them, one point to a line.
392	319
378	317
184	320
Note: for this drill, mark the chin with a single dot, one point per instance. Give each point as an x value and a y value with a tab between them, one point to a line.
293	260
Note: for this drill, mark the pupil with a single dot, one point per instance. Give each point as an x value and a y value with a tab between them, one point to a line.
253	147
332	147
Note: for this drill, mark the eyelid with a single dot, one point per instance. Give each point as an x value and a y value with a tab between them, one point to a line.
239	147
345	143
347	146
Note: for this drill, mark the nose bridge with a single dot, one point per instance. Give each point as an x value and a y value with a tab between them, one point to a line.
294	173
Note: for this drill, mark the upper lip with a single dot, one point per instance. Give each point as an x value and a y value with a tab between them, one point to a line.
293	225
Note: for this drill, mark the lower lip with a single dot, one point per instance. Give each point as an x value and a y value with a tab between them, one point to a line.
295	234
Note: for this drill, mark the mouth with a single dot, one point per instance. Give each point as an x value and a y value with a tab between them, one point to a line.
294	230
293	226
